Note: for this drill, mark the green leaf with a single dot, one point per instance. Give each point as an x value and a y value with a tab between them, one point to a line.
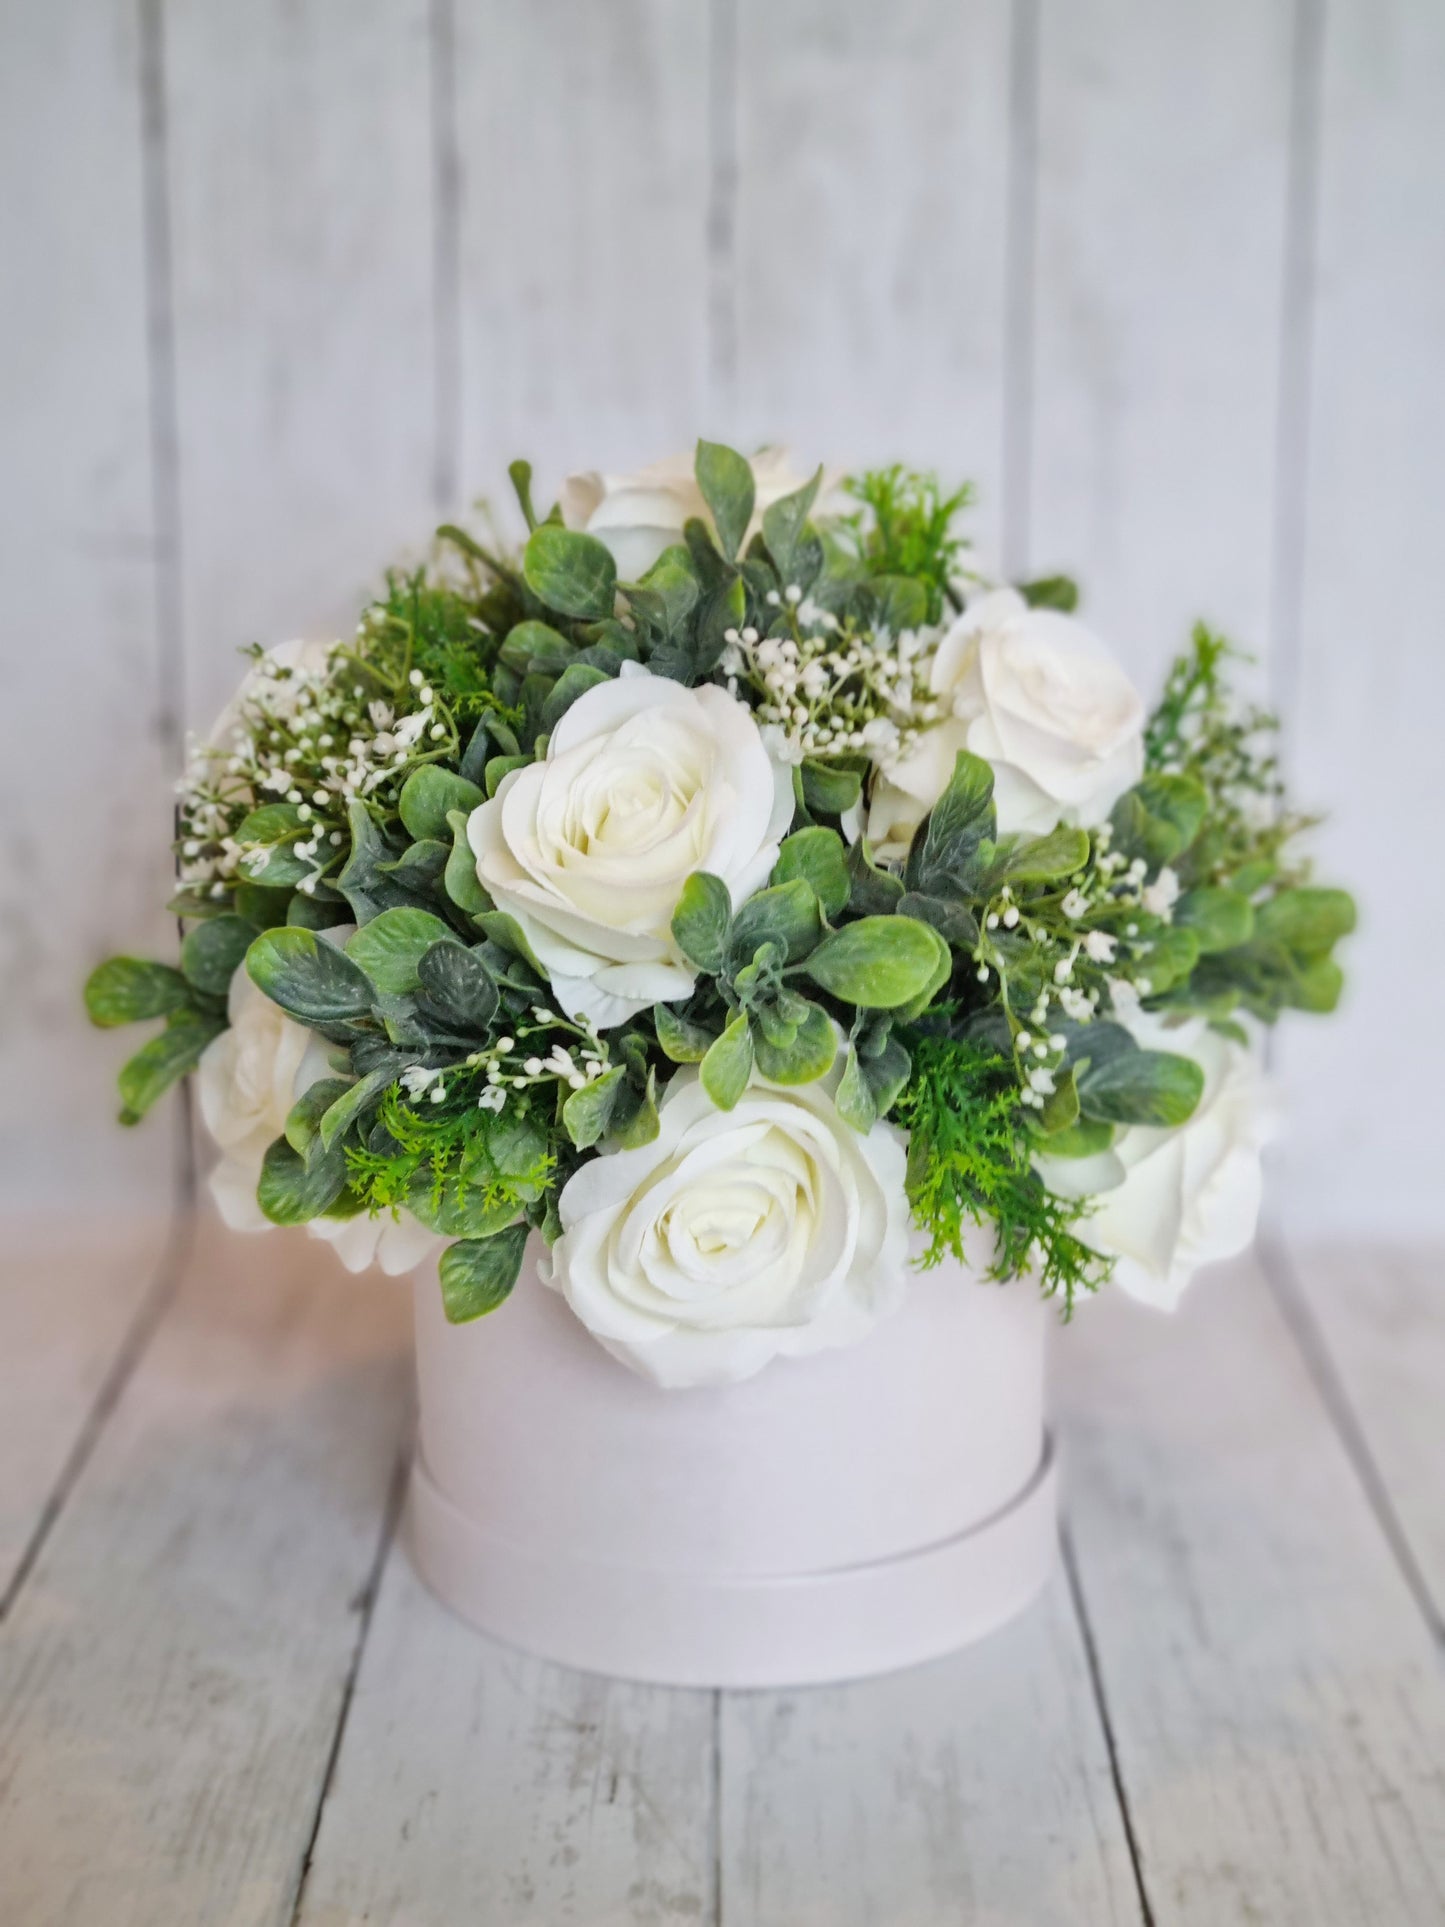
303	1120
458	985
1219	918
272	823
887	1072
505	931
635	1121
588	1112
785	914
1180	801
854	1096
429	795
817	857
828	790
305	912
464	1210
265	909
127	990
573	682
941	973
351	1104
1061	1107
1044	859
500	767
158	1064
1051	592
1153	1087
681	1040
313	981
875	892
1083	1139
1307	921
213	951
700	921
1318	986
784	522
960	821
195	901
536	648
953	920
897	602
877	963
726	481
291	1190
362	881
390	947
570	572
808	1056
459	878
729	1064
478	1274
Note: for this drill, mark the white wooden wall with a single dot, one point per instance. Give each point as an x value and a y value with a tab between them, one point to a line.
282	279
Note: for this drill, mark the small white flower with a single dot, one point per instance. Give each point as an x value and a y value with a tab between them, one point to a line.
1160	897
1075	904
1099	945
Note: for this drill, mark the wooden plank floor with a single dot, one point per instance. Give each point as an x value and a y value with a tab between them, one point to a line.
226	1698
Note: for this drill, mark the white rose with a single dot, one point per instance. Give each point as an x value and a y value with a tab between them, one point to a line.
247	1081
643	783
1174	1200
638	516
736	1237
1043	701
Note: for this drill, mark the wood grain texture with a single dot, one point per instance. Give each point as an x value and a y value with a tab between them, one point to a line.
583	152
172	1675
976	1789
300	183
1277	1705
1364	697
870	236
478	1784
83	780
68	1312
1161	191
1376	1313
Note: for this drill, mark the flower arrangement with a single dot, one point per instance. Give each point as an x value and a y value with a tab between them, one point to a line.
732	888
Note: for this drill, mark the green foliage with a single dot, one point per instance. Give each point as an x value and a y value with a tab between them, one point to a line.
127	990
970	1162
478	1274
906	528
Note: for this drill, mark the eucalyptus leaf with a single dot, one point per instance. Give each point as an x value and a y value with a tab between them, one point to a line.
785	914
1219	918
427	797
588	1113
390	947
806	1057
292	1190
1151	1087
1043	859
478	1274
574	681
728	1064
874	892
854	1096
536	648
955	829
1051	592
351	1104
458	985
158	1064
700	921
303	1120
817	857
463	1210
681	1040
784	522
726	482
829	788
570	572
127	990
312	980
1307	920
877	963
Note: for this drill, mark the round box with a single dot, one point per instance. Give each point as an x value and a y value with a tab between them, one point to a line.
835	1516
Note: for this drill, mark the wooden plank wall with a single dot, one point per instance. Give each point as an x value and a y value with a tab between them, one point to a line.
284	279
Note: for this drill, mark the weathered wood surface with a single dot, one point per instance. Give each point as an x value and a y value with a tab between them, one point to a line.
1275	1695
217	1706
173	1671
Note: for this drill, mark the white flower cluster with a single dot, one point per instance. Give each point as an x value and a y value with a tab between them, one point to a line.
827	688
517	1063
304	731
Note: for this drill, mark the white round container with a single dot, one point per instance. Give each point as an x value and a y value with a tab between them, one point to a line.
836	1516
